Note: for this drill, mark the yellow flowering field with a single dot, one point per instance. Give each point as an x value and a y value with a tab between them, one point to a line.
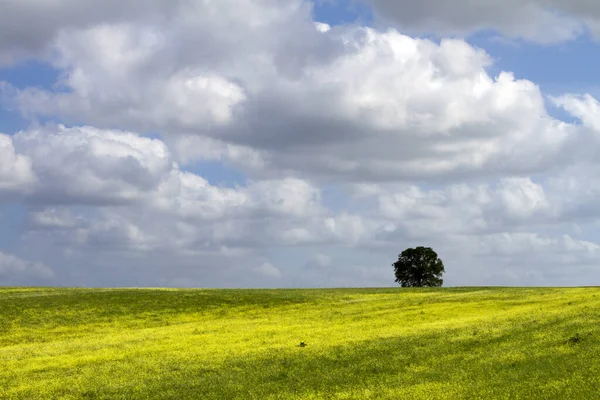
450	343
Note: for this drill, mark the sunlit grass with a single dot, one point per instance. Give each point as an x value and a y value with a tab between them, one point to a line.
360	343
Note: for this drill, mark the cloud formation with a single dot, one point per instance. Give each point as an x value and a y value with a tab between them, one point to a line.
381	107
12	267
354	143
541	21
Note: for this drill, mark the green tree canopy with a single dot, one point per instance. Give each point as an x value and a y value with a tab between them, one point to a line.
419	267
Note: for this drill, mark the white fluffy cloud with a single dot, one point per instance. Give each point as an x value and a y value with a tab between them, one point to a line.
27	27
16	173
510	204
82	165
113	195
543	21
359	104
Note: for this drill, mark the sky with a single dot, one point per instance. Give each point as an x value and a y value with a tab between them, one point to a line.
297	143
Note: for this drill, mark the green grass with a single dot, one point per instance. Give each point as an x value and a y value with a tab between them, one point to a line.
472	343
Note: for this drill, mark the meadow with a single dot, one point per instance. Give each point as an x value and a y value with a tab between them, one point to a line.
450	343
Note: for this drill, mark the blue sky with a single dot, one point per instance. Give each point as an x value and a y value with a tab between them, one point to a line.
340	12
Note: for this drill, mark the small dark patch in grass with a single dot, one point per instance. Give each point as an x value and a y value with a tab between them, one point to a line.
207	370
302	344
575	339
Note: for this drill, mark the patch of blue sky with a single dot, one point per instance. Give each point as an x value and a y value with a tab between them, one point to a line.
333	197
12	217
11	121
217	173
23	75
570	67
341	12
30	74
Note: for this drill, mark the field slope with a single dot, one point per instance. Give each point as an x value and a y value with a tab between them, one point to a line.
458	343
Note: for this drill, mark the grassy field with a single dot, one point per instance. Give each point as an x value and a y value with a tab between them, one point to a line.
487	343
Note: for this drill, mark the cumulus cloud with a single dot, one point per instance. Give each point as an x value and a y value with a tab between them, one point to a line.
538	259
16	172
83	165
52	218
380	106
27	27
118	197
215	231
510	204
14	268
542	21
424	145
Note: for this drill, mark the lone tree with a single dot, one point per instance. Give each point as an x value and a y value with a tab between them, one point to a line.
419	267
